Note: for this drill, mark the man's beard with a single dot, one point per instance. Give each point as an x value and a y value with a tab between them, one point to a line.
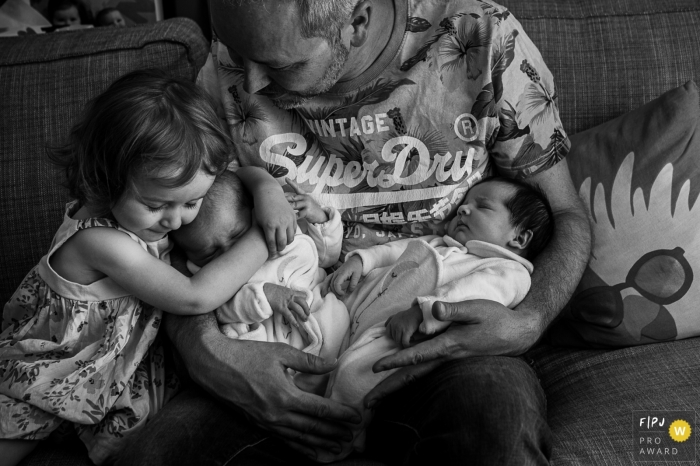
291	99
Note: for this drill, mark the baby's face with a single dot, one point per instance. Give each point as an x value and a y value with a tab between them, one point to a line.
113	18
66	17
483	216
222	230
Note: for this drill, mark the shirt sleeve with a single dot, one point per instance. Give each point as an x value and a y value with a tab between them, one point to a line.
328	237
248	305
530	137
381	255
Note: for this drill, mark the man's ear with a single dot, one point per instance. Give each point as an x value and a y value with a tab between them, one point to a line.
360	22
521	240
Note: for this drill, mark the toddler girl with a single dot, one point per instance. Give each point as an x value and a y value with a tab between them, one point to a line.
78	339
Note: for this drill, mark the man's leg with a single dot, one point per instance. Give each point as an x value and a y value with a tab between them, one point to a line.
193	428
474	411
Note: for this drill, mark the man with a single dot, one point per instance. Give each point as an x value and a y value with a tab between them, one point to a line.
388	110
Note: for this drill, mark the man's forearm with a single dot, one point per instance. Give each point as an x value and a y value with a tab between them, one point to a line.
558	268
188	332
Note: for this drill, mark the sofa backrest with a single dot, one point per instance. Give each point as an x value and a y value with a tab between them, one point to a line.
45	81
611	56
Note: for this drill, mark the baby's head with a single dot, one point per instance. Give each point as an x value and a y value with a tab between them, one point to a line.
505	212
68	13
109	16
225	215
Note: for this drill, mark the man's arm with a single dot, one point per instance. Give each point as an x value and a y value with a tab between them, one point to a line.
560	266
252	376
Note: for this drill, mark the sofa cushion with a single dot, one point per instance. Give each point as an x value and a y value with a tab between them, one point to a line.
592	396
640	178
46	81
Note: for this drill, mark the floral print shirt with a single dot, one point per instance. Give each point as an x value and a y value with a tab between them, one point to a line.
459	92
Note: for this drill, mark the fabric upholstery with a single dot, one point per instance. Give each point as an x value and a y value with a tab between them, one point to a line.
45	84
592	396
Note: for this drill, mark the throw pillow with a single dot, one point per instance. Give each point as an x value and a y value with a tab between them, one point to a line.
639	175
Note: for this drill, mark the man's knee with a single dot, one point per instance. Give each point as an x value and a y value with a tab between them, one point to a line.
489	409
192	428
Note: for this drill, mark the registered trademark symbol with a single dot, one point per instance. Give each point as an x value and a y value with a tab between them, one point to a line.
466	128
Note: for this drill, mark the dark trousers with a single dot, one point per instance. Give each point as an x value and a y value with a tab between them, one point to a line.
475	411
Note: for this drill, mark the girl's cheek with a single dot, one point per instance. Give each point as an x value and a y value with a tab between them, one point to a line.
190	216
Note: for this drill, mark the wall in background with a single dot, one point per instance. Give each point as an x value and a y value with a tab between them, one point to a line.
198	10
134	11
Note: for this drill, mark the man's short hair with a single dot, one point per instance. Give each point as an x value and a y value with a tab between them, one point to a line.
529	210
322	18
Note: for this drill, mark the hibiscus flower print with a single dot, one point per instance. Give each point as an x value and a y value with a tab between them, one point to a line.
536	106
462	47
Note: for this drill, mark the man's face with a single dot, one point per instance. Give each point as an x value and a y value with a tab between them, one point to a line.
208	240
278	62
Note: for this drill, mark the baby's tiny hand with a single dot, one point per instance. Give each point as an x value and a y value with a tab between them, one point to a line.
306	206
404	325
288	302
351	272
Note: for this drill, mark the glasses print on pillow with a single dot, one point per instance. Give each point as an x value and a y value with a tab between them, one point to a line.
660	277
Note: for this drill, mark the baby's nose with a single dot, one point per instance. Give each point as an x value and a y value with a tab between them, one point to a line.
463	210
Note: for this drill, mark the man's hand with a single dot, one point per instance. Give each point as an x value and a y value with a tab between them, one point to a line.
403	325
253	376
479	328
288	302
350	272
306	206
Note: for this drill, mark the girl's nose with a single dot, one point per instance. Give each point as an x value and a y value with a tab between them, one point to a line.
463	210
171	219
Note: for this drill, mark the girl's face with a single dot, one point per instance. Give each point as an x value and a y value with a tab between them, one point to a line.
151	210
66	17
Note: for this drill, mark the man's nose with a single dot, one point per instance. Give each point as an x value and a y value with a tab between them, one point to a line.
255	77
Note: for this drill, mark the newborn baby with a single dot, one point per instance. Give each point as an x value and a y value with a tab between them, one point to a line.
282	300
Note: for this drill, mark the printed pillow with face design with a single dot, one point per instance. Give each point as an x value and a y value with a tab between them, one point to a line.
639	175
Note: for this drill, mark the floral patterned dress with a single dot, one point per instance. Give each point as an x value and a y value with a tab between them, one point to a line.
87	354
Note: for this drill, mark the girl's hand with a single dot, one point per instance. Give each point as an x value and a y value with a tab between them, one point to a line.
305	205
351	272
404	325
275	216
288	302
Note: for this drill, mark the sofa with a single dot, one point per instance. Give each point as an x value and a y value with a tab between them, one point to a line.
608	57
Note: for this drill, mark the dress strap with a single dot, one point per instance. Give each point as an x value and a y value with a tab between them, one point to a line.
96	222
101	289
